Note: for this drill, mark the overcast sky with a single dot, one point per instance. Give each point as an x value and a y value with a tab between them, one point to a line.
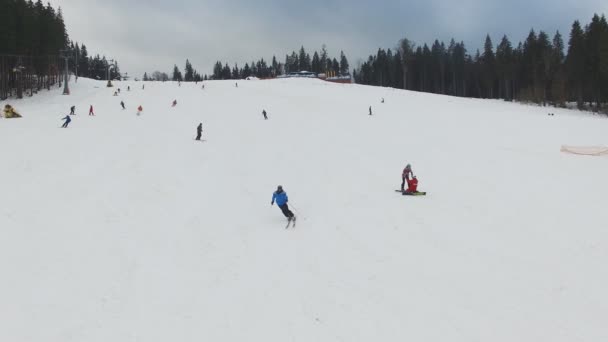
149	35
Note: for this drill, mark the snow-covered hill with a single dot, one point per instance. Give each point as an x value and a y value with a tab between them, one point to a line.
123	228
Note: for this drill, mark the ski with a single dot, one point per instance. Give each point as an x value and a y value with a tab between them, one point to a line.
292	222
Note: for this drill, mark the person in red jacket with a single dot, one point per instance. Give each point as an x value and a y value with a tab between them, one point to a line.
412	185
91	111
412	188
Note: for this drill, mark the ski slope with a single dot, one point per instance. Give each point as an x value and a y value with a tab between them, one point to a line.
124	228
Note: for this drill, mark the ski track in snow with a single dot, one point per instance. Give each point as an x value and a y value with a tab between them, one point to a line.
122	228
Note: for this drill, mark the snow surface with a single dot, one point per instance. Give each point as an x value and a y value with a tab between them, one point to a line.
123	228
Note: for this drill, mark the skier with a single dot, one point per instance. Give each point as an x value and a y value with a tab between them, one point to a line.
122	103
128	88
91	111
143	86
265	114
73	110
174	103
199	131
119	90
382	100
405	176
67	121
280	197
370	110
115	93
140	109
236	84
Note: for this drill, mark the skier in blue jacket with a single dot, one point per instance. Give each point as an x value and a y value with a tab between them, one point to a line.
281	198
67	121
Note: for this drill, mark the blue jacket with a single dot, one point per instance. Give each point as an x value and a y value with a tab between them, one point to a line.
67	119
280	198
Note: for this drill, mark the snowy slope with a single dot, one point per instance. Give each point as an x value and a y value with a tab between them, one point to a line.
123	228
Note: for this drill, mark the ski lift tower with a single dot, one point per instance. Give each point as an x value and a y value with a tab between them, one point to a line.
109	65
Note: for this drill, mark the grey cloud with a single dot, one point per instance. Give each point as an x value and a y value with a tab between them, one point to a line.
151	35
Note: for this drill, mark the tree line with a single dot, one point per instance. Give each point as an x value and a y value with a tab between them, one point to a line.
540	69
33	39
319	63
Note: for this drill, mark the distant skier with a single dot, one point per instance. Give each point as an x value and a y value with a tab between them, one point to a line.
122	104
370	110
119	90
405	175
143	86
67	121
73	110
174	103
115	93
265	114
140	109
91	112
199	131
382	100
236	84
281	198
203	87
128	88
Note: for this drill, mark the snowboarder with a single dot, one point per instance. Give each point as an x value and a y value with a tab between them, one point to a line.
405	176
122	103
199	131
67	121
73	110
140	109
280	197
370	110
265	114
412	187
174	103
91	111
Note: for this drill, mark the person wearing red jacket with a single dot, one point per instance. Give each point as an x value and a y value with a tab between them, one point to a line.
412	188
91	111
412	185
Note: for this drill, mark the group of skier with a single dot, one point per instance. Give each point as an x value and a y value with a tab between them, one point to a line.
280	196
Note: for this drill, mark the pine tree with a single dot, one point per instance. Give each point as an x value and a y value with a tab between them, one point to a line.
488	62
406	51
575	62
344	67
177	75
188	72
504	67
